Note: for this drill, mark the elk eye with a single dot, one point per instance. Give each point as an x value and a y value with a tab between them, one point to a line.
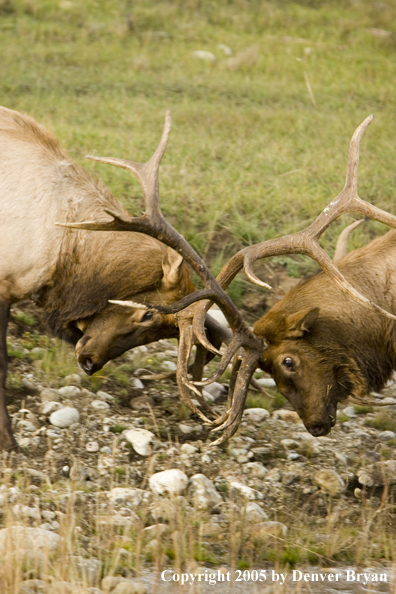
147	316
288	363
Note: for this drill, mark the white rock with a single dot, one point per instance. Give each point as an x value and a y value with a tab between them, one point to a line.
49	395
245	491
225	49
264	530
256	415
350	412
92	446
254	513
187	429
64	417
215	390
49	407
137	383
188	449
203	493
74	379
141	440
69	391
378	474
256	470
206	459
172	481
123	495
100	405
169	365
104	396
266	382
387	435
205	55
218	315
23	537
329	480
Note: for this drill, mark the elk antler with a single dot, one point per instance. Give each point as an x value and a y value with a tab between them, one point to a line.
153	223
307	241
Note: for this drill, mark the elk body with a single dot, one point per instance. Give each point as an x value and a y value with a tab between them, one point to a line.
322	346
72	274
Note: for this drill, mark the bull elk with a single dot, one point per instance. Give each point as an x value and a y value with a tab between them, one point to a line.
73	275
247	349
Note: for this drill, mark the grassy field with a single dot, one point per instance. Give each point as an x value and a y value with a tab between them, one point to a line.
260	137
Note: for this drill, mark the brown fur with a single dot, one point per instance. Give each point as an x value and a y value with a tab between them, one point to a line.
336	347
72	274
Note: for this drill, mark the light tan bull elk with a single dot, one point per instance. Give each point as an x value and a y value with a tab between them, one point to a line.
245	348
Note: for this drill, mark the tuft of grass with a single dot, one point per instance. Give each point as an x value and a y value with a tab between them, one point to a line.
384	421
25	318
362	410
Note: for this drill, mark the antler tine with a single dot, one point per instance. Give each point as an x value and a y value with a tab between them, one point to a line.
342	241
242	381
147	173
185	345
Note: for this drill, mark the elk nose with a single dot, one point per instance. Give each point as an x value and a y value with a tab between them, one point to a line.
319	429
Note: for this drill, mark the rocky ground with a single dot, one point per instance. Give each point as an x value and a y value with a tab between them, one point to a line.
118	481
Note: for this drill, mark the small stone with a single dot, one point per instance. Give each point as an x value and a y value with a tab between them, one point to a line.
23	537
256	415
72	380
25	442
64	417
89	570
253	512
225	49
206	459
245	491
109	583
69	391
104	396
216	390
266	382
124	495
141	403
264	530
289	416
130	587
378	474
49	407
350	412
141	440
155	531
188	449
100	405
92	446
274	475
210	529
330	481
169	365
387	435
137	383
256	470
206	57
172	481
203	493
289	443
49	395
189	429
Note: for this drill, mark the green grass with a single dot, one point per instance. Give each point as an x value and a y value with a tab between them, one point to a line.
259	139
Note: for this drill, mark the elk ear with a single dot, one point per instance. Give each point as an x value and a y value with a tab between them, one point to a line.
171	267
301	322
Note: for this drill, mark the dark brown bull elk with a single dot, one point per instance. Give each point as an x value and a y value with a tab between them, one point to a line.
248	346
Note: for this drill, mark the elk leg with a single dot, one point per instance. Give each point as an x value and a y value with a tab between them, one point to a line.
7	440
